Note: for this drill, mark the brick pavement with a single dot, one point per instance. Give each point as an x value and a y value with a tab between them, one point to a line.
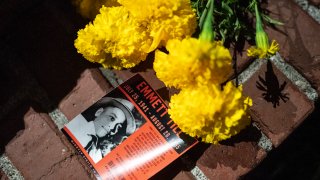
47	83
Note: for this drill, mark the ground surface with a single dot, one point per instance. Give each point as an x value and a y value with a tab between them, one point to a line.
45	83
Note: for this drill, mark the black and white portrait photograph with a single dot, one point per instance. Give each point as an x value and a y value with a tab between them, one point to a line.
105	125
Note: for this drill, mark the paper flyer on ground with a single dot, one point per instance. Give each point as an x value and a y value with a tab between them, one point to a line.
128	133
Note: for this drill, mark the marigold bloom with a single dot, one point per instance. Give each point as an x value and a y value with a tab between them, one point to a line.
173	19
114	39
209	113
191	62
90	8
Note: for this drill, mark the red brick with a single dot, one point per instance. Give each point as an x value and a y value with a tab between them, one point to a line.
90	88
170	171
11	124
277	121
38	148
69	168
298	38
184	175
233	157
242	60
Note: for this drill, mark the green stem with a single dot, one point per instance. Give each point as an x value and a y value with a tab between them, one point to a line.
203	15
207	33
262	40
258	18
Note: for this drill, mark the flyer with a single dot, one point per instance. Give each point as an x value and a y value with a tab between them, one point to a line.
128	134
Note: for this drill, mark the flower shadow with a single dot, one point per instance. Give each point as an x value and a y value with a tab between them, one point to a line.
271	87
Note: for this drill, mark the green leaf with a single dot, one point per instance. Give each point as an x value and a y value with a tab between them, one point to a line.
227	8
222	33
270	20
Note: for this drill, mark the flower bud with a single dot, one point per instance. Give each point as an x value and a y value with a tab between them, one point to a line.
262	40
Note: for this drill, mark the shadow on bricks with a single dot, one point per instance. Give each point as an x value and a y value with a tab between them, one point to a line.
297	157
235	151
38	61
298	38
226	154
13	122
271	87
185	163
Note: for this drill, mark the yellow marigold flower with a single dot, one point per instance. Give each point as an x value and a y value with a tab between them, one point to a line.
90	44
90	8
114	39
191	62
173	19
209	113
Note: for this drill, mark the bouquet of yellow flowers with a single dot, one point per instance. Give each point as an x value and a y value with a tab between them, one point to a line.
122	36
195	61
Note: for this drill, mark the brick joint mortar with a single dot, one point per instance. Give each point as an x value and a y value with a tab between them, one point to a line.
58	118
249	71
264	142
198	174
313	11
111	77
295	77
9	169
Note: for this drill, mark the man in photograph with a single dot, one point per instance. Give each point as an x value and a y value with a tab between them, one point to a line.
111	123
